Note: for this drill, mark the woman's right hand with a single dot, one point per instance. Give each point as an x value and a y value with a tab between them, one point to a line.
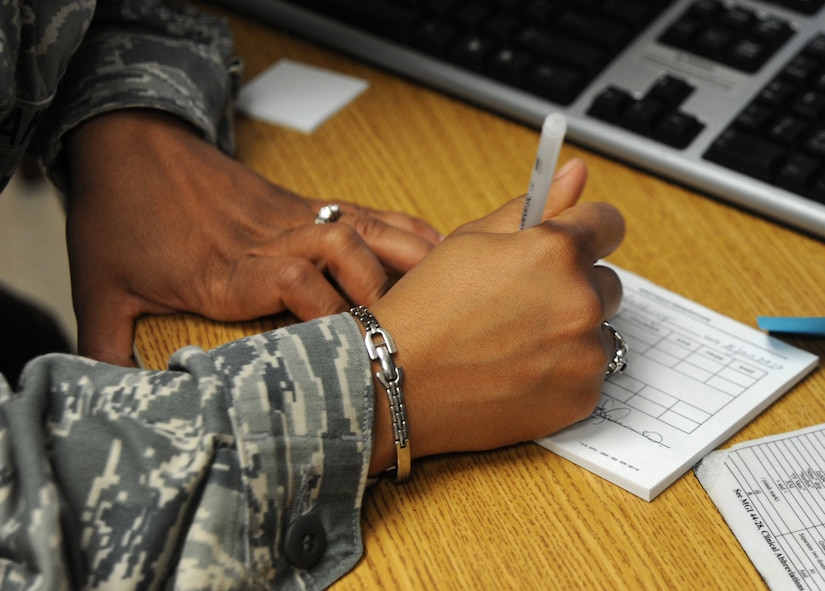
499	331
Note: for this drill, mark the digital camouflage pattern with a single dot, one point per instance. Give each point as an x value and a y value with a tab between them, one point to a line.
187	478
195	477
63	61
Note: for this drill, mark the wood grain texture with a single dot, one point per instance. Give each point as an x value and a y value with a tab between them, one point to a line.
522	517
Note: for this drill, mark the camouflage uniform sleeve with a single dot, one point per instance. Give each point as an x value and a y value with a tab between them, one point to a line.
240	468
146	54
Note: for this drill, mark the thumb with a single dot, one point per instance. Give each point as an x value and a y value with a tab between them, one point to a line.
568	184
501	221
106	333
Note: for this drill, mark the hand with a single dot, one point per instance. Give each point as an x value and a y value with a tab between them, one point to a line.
499	331
160	221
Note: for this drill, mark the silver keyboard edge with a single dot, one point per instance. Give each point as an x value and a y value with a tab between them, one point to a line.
671	164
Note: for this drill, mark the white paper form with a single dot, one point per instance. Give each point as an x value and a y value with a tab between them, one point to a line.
694	377
771	492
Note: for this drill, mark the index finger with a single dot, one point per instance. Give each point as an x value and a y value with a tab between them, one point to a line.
397	240
596	228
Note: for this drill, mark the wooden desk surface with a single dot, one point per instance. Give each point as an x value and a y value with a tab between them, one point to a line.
522	517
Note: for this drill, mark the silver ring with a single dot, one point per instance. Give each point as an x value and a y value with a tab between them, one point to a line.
619	361
328	214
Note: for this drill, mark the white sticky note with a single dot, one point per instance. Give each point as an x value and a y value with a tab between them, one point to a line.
298	96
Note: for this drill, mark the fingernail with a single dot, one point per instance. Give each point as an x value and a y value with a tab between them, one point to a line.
564	169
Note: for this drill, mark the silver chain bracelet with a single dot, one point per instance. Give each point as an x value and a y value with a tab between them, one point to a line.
381	347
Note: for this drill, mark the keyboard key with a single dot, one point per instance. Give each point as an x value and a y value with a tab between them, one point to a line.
746	153
753	117
390	20
777	93
816	144
801	69
748	55
810	104
677	129
797	174
816	48
540	11
434	37
470	15
596	30
509	65
642	116
818	191
508	5
713	42
562	49
610	104
555	82
681	33
670	90
472	51
804	6
773	30
635	13
501	26
737	18
787	130
705	9
440	8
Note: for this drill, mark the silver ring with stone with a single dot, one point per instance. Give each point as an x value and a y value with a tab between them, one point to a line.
619	361
328	214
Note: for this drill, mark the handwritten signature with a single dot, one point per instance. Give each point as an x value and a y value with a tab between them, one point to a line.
609	411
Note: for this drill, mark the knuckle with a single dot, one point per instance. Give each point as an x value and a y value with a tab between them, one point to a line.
371	226
340	238
596	357
587	403
579	405
584	316
332	306
567	240
292	276
590	308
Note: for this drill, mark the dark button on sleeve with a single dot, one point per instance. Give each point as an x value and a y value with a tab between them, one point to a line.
305	541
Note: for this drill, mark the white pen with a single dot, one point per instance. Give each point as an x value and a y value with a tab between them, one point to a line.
552	137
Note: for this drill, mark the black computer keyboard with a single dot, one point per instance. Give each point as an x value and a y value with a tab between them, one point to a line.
779	137
726	97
